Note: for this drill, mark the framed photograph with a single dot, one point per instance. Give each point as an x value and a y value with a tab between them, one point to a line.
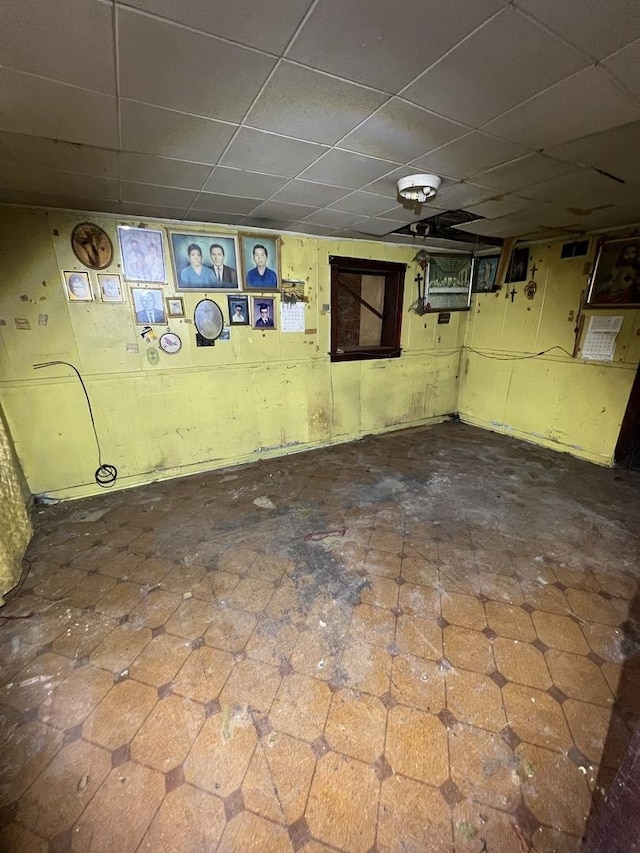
204	261
449	282
78	286
91	246
110	287
238	310
148	306
518	266
615	279
263	312
175	306
484	274
208	319
260	261
142	254
170	343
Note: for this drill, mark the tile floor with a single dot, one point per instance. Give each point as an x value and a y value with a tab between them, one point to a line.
410	643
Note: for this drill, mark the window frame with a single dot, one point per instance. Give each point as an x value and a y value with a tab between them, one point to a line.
394	276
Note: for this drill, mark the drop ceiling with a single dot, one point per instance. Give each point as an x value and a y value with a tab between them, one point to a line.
301	115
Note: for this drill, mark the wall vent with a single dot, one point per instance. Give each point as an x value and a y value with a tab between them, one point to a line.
575	249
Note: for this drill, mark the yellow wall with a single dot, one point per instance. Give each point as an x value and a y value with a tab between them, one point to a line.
554	400
260	394
15	526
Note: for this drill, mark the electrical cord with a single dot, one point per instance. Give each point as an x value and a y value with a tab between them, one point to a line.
105	474
462	348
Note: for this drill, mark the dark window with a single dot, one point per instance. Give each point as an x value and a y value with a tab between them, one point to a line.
577	249
366	308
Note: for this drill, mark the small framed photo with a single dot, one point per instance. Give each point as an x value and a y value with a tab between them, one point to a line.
175	306
78	286
142	254
204	261
148	306
238	310
263	312
261	261
484	274
110	287
518	266
615	280
170	343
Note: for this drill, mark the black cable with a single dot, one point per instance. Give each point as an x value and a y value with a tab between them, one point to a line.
517	357
105	475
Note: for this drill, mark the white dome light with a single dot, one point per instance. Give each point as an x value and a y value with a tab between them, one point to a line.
419	188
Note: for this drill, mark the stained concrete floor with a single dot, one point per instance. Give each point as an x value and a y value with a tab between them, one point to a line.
415	642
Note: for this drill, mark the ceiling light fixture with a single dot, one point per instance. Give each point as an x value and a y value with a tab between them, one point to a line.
419	188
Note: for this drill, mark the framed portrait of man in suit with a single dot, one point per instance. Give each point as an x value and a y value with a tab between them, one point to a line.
205	262
148	306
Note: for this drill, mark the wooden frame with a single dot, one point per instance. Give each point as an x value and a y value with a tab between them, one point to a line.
615	278
175	306
148	306
391	314
110	286
77	286
92	246
518	265
194	255
263	312
253	248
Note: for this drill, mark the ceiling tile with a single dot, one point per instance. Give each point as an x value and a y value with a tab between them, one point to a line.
506	226
584	189
12	177
325	108
497	207
157	196
146	211
379	227
6	149
625	66
522	172
69	184
242	183
370	43
268	25
401	132
595	27
170	66
69	157
272	224
226	203
70	41
153	130
146	169
476	82
366	204
310	228
334	218
79	116
344	169
615	151
463	157
269	153
197	215
307	192
462	195
582	104
283	210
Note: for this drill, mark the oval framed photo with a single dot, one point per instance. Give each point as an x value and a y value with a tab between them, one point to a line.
208	319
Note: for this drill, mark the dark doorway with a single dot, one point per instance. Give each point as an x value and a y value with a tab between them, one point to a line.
627	453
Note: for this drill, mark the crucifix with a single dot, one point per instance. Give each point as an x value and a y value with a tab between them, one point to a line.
534	269
512	293
419	279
